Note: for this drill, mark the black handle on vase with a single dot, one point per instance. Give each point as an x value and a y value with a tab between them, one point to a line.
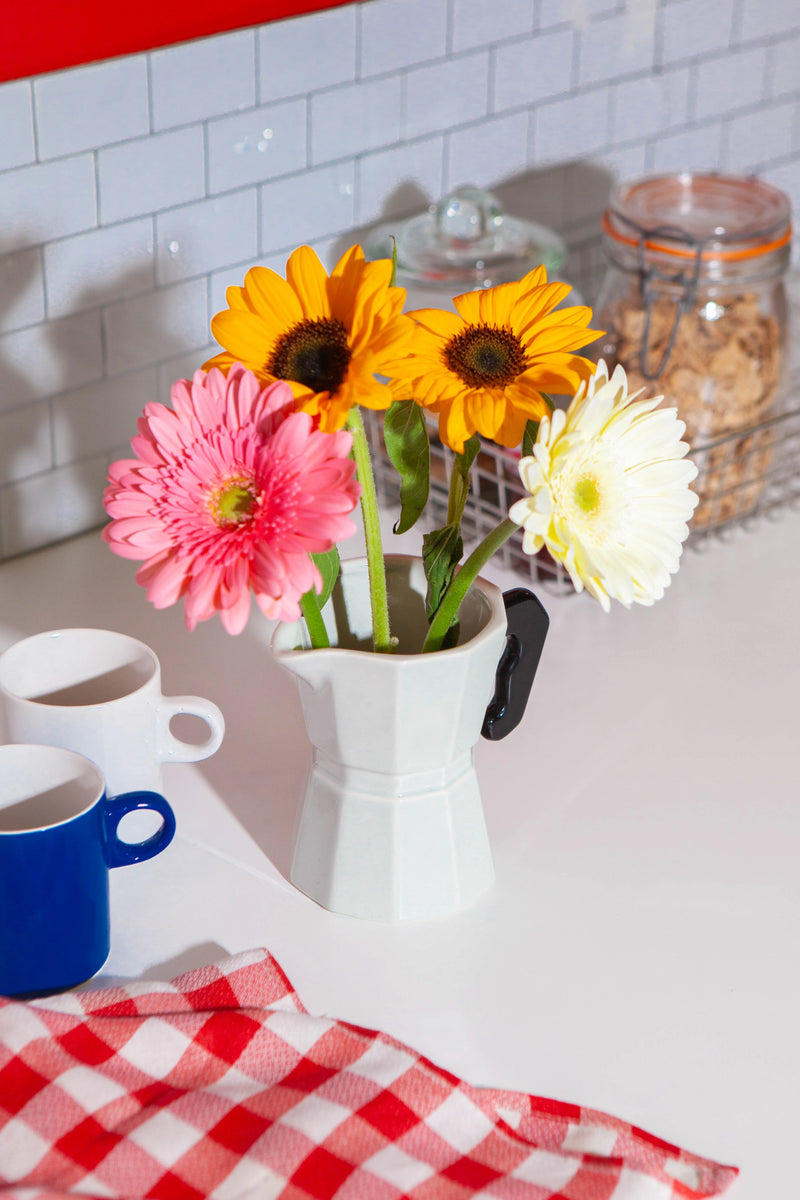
525	634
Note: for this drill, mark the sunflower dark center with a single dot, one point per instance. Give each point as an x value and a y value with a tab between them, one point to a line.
485	356
314	353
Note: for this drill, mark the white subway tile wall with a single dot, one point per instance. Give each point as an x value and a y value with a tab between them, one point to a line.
203	79
96	106
398	180
531	69
258	144
47	200
134	192
16	125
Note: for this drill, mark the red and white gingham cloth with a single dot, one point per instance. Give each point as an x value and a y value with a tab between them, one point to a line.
221	1085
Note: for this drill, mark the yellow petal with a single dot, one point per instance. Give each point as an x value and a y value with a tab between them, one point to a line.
536	304
510	430
223	362
526	398
236	298
454	429
559	373
468	307
495	305
307	277
481	405
270	296
344	284
372	317
549	340
401	389
438	322
534	279
244	336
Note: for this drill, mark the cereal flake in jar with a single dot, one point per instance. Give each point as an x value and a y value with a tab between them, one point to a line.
695	309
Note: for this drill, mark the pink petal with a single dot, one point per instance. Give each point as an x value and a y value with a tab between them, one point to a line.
235	617
166	584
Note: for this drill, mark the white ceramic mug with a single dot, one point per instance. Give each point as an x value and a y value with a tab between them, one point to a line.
99	693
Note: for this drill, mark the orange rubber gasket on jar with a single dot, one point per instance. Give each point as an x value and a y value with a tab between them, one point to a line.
677	252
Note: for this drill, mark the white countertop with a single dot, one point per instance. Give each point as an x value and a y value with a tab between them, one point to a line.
639	952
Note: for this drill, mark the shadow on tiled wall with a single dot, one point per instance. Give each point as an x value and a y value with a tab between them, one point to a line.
21	303
73	387
568	197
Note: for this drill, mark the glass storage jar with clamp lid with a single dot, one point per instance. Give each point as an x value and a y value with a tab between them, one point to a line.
694	304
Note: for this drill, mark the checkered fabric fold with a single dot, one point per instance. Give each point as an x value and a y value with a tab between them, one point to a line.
220	1085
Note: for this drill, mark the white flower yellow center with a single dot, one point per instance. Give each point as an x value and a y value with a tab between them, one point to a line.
587	496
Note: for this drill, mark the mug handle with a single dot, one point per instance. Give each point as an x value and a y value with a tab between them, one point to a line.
114	808
171	748
525	635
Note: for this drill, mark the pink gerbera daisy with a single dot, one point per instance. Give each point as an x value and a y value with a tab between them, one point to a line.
230	492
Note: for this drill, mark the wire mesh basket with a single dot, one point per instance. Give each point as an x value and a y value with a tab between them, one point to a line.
747	473
494	486
742	475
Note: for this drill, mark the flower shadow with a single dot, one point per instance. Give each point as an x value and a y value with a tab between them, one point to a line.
77	372
567	197
21	304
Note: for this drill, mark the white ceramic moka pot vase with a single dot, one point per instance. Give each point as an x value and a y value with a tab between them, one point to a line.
392	826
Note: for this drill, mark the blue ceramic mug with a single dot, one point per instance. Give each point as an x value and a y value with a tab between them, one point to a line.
58	839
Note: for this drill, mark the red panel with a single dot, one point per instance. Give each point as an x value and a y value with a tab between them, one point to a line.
47	35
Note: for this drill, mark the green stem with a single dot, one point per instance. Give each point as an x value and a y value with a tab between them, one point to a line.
460	479
315	625
459	490
382	639
463	581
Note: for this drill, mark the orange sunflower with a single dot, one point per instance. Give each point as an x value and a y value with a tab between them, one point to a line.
484	369
327	336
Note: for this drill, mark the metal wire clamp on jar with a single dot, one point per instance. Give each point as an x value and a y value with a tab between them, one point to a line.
695	307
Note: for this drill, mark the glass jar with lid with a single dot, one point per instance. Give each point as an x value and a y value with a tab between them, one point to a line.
694	305
466	242
463	243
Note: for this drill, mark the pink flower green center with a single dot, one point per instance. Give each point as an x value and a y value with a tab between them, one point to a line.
233	502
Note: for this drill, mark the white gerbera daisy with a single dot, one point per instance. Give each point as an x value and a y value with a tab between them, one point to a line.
609	491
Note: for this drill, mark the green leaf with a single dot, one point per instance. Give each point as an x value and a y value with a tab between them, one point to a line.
529	438
406	438
470	452
459	480
393	279
328	564
441	554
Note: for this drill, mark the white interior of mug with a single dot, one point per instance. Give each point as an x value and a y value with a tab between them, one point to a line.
76	667
43	786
